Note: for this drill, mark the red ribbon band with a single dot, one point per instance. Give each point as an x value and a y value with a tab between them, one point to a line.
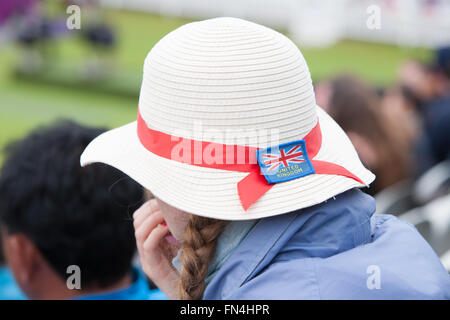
254	185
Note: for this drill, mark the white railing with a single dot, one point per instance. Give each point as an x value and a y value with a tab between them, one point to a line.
321	23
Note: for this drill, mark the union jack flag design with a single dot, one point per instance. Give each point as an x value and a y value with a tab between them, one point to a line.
285	162
292	156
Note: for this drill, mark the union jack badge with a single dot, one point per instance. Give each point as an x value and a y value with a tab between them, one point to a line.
285	162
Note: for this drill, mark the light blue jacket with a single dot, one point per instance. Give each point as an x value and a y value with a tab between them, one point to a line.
335	250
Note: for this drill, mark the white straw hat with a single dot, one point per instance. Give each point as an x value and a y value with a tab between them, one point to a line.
220	80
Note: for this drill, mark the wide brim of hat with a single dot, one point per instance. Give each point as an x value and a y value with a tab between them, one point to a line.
212	192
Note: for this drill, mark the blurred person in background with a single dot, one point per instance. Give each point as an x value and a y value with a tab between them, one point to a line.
101	39
400	105
54	214
429	87
383	145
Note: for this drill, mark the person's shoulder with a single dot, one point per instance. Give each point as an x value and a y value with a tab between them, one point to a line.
9	290
386	227
156	294
396	263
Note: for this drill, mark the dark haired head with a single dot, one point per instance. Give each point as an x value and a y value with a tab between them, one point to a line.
442	60
355	106
73	215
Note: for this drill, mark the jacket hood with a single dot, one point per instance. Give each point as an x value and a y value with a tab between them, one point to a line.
329	251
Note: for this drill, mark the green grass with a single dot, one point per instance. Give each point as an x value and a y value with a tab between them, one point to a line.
25	105
374	62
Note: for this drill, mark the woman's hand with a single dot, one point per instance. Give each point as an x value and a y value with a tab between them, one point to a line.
155	252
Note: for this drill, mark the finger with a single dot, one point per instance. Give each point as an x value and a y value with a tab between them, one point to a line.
141	232
154	238
144	211
150	205
144	208
147	226
141	218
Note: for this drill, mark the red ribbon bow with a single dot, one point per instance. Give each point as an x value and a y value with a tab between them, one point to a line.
254	185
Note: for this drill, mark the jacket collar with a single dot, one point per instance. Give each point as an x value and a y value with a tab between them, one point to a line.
337	225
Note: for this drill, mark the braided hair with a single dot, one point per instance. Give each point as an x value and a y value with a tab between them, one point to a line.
200	239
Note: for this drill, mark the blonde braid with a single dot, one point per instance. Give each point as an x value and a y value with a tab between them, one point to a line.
200	239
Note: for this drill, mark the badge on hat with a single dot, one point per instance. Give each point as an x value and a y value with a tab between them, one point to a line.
285	162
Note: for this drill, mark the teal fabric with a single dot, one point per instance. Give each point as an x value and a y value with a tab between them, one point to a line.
9	290
138	290
230	238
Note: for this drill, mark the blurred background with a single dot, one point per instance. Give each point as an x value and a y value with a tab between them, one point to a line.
381	68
